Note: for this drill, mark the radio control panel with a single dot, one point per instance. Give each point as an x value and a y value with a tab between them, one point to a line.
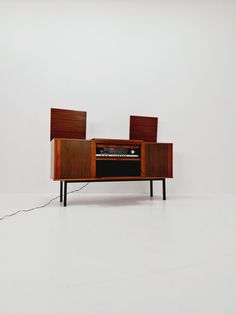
118	152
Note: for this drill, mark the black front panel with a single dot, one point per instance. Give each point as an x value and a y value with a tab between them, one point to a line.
122	168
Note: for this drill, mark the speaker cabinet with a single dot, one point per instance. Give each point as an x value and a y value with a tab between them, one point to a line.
71	159
159	160
143	128
68	124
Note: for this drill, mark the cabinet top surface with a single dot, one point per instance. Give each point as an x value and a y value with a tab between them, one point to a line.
110	141
118	141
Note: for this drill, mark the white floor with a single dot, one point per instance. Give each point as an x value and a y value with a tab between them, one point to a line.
115	254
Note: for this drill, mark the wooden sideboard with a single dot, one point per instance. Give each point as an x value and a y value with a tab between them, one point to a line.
74	160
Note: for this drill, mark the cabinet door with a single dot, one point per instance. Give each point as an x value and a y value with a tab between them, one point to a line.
76	159
158	160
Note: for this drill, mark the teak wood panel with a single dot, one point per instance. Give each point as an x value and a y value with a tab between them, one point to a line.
117	145
109	179
101	141
143	165
93	159
69	124
143	128
158	160
76	159
52	163
71	159
55	159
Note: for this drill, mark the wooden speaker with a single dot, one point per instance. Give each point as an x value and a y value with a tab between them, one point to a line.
143	128
159	160
68	124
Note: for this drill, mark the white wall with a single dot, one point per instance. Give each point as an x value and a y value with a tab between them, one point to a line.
171	59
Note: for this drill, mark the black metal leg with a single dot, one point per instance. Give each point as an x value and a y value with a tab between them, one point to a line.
65	193
61	190
164	189
151	188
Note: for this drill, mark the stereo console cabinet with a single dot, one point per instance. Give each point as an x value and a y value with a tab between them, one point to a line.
76	159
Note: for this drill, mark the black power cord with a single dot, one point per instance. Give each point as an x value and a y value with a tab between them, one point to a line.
41	206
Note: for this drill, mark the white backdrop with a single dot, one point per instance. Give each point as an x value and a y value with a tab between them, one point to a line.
171	59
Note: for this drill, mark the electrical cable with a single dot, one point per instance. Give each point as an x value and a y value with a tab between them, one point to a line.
41	206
